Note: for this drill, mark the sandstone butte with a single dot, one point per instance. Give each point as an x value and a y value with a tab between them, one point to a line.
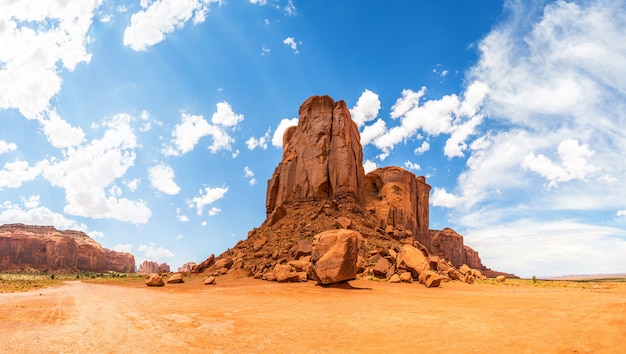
44	248
148	267
320	185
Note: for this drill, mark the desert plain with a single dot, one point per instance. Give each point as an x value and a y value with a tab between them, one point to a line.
246	315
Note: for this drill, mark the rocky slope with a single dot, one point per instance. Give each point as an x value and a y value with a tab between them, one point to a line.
320	185
44	248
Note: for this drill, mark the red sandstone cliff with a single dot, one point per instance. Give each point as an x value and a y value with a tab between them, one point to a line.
322	158
44	248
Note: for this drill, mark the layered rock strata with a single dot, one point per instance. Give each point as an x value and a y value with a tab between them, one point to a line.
44	248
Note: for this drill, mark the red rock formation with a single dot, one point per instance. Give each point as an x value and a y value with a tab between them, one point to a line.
164	268
148	267
472	259
399	199
187	267
448	244
44	248
322	158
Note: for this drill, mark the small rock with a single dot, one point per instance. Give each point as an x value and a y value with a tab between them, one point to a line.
406	277
395	279
210	280
501	278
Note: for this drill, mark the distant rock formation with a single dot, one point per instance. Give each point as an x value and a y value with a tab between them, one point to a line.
46	249
320	185
187	267
148	267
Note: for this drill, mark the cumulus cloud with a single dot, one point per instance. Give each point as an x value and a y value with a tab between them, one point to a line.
412	166
59	132
88	170
277	138
451	115
369	166
214	211
574	164
225	116
258	2
180	216
14	174
162	179
158	18
206	197
30	212
441	198
192	128
261	142
37	42
247	173
422	148
291	42
152	252
290	9
366	108
7	147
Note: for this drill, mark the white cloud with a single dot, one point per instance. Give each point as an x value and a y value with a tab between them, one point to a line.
290	9
373	131
366	108
60	133
529	247
225	116
412	166
214	211
441	198
151	252
87	170
277	138
162	179
206	197
187	134
7	147
422	148
261	142
369	166
291	42
258	2
620	213
38	41
14	174
249	175
181	217
265	51
133	184
123	247
574	164
160	17
32	213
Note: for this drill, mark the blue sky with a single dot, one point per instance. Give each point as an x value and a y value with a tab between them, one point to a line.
154	125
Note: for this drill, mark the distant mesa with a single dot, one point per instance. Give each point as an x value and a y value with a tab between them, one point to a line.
319	186
148	267
29	248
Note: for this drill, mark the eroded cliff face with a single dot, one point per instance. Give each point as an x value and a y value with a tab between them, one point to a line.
322	158
44	248
399	198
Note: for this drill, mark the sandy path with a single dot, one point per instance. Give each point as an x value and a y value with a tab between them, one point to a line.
247	316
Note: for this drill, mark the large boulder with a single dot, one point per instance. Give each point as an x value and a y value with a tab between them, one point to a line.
322	158
176	278
334	256
154	279
413	260
399	199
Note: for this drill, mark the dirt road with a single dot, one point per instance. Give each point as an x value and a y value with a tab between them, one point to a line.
252	316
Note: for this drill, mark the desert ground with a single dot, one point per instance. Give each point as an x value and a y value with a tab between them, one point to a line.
253	316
